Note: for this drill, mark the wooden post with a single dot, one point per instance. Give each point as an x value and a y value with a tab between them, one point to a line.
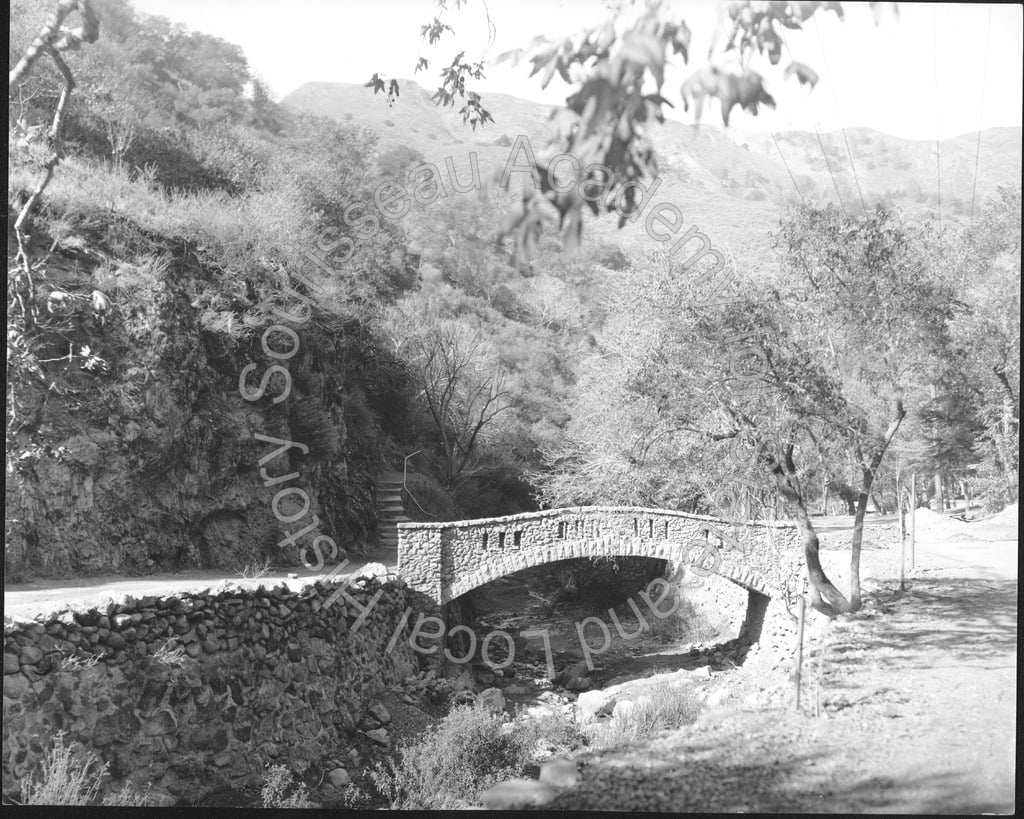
821	667
913	516
903	534
903	549
801	611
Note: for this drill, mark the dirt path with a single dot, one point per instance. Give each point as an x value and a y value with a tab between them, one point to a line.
918	709
39	598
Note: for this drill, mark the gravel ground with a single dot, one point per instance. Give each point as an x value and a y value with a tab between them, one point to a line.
917	704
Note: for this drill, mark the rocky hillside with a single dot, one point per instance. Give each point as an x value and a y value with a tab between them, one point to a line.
146	458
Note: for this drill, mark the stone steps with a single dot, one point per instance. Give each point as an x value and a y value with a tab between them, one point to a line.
390	508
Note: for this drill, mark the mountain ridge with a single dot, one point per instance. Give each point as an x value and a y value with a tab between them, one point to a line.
737	183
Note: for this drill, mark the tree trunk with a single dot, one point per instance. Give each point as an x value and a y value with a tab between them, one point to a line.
868	473
825	597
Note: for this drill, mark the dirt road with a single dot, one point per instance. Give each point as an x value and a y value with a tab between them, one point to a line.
43	597
918	707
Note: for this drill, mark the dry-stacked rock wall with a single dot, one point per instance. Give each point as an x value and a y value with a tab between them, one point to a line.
202	692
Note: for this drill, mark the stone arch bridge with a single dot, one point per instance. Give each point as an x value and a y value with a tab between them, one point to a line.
446	560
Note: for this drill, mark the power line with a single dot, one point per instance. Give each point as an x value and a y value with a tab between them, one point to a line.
829	166
981	113
835	96
938	150
817	133
788	169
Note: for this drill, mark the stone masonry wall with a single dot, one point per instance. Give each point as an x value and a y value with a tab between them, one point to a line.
264	676
445	560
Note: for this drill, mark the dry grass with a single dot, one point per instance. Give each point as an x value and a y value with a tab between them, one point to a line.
66	778
238	236
169	654
277	784
661	707
71	663
686	624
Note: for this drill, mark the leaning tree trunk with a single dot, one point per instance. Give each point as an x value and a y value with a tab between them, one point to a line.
825	597
868	472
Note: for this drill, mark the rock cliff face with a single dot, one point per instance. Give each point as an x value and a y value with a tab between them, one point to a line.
147	459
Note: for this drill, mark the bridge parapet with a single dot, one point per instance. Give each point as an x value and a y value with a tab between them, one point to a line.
446	560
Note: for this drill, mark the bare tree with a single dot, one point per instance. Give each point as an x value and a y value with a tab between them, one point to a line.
462	389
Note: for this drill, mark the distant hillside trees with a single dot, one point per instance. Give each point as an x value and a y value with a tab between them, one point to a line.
396	161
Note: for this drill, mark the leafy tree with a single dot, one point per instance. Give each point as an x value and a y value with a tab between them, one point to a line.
814	366
874	327
396	161
988	334
617	71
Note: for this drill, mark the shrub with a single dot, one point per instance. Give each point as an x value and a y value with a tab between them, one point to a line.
555	734
468	752
425	499
687	623
355	798
69	779
395	161
660	708
253	571
279	780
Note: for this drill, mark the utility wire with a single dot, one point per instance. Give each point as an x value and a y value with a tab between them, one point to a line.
835	186
981	112
938	153
829	166
788	169
835	96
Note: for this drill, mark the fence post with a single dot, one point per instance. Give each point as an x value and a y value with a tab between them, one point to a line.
913	516
801	610
902	525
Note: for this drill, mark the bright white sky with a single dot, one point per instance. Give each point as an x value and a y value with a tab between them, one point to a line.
886	77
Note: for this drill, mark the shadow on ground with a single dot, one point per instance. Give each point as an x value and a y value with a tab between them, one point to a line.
973	619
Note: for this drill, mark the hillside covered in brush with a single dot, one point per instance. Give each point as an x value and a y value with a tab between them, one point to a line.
200	327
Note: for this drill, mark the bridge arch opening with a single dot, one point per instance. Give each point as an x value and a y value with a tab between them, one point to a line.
666	620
